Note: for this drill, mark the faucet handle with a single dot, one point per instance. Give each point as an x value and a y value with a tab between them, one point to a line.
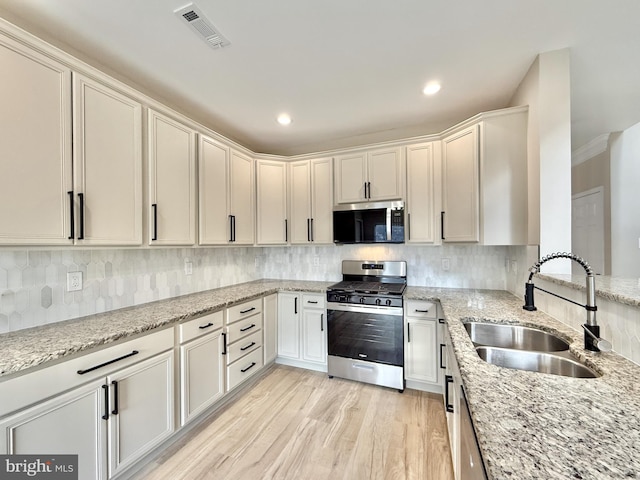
600	343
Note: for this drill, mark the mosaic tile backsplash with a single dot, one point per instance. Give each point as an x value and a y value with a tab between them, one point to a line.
33	282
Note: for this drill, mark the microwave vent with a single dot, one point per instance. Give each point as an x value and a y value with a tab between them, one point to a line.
202	26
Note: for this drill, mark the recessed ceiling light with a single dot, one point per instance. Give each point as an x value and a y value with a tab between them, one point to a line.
431	88
284	119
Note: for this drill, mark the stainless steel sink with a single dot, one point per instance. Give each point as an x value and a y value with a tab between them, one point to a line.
535	362
514	336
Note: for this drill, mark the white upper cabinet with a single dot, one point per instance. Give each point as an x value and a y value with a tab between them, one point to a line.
311	207
226	194
369	176
484	180
107	165
421	193
271	202
172	182
460	187
35	148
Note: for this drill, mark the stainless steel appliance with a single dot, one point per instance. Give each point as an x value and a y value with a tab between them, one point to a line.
365	323
380	222
471	464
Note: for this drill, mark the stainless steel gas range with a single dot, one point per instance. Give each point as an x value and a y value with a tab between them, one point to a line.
365	323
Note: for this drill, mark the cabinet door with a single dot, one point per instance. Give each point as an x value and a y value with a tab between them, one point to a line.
107	145
385	174
142	410
300	202
421	351
460	186
321	201
350	178
213	164
270	328
172	182
201	374
66	424
314	336
289	325
271	202
242	198
420	194
35	148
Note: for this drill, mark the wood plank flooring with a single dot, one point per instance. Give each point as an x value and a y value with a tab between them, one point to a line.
298	424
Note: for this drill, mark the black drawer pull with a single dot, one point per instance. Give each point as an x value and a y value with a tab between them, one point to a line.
105	388
116	399
253	364
315	302
248	328
206	326
248	310
224	343
442	365
441	320
82	372
422	311
447	380
248	346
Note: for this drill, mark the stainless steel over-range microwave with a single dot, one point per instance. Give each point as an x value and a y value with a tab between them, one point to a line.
379	222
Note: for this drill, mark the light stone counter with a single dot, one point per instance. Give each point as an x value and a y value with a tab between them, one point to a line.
31	347
620	290
538	426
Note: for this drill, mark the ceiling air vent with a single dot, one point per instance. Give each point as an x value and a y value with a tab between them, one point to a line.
192	16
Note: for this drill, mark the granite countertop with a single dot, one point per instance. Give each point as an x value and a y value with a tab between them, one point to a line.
616	289
529	425
539	426
31	347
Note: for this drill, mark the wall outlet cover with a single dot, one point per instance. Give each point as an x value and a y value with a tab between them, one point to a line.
446	264
74	281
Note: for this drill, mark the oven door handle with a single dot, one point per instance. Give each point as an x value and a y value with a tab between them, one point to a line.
369	309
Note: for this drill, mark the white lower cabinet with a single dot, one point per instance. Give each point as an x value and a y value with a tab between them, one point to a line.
270	327
243	342
302	335
451	386
110	422
422	348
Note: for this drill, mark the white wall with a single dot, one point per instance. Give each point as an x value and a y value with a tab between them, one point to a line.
625	202
546	89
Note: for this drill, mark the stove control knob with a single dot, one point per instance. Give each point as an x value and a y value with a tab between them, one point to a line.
362	299
378	301
388	302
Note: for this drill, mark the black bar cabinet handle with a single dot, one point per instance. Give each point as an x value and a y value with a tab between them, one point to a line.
116	398
441	320
447	380
408	333
234	228
81	234
253	364
442	225
247	310
286	231
365	190
312	230
231	228
71	219
105	389
408	226
442	365
321	322
248	328
369	185
202	327
155	221
248	346
82	372
224	343
308	230
295	305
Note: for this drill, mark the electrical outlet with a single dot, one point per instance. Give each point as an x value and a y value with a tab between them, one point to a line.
316	261
514	266
188	267
446	264
74	281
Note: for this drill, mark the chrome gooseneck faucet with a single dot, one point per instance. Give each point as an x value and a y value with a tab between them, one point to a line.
592	340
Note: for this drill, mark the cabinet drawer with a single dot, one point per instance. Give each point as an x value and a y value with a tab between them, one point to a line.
199	326
313	301
244	310
243	347
244	368
421	309
243	328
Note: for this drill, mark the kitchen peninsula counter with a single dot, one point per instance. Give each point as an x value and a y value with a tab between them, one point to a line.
529	425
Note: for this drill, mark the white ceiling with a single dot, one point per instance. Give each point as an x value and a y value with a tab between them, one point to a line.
351	72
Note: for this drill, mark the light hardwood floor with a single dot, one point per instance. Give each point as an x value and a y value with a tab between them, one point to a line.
298	424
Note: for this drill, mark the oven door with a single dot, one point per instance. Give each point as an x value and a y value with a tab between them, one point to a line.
373	334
